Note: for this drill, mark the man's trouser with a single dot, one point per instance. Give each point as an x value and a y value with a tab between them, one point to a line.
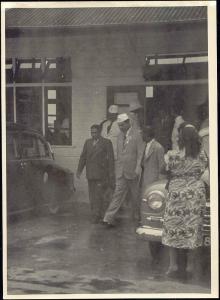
124	185
96	193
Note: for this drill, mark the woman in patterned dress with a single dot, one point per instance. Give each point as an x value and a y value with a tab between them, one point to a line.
183	218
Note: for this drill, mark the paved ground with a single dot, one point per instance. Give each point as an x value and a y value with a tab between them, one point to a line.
66	254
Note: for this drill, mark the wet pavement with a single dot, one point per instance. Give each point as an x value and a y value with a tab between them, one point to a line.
66	254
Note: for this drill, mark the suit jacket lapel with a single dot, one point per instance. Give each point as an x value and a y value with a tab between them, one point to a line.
94	150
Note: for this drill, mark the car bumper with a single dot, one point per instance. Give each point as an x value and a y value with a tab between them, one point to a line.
149	233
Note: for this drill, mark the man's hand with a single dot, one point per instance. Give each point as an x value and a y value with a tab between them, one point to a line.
138	171
78	175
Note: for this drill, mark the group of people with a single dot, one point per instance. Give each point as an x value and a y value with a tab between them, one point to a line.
123	157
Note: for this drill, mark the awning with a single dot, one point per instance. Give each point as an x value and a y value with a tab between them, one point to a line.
101	16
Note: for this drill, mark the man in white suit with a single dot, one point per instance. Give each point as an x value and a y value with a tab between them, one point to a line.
128	170
152	162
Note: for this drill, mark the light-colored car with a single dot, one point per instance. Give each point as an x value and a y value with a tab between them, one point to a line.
34	180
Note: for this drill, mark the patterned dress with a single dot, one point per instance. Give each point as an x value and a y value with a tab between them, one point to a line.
183	217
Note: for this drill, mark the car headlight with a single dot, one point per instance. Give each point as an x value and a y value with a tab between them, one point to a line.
155	200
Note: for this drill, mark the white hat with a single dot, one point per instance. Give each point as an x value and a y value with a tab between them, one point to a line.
122	117
203	132
134	106
113	109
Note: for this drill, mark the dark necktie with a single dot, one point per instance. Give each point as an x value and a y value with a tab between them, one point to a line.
109	127
124	141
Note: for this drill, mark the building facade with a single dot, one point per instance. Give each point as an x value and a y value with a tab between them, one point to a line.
64	74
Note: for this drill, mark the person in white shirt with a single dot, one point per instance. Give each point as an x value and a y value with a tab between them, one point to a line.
175	133
110	129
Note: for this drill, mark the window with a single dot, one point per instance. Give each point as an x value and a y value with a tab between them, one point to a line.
28	70
57	70
31	102
28	107
58	111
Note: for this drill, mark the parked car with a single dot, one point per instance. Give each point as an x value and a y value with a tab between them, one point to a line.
152	211
34	180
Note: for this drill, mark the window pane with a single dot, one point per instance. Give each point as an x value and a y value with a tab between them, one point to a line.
28	70
51	120
58	70
29	148
196	59
52	109
167	61
52	94
58	127
26	65
28	107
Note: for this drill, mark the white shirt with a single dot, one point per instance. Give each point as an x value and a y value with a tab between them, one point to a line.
148	147
175	133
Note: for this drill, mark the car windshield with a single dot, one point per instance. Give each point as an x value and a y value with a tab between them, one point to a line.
33	147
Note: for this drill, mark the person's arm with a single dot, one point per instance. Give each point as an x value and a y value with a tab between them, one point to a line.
140	149
161	162
111	163
82	161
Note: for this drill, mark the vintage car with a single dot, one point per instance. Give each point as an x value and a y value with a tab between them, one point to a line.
34	181
152	210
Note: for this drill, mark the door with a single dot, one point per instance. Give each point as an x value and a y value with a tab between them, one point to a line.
31	162
123	96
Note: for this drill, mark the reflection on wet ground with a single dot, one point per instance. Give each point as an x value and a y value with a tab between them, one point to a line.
66	254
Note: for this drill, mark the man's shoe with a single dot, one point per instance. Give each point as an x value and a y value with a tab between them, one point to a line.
108	224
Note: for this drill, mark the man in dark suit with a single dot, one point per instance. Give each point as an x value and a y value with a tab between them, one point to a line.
98	157
128	170
152	163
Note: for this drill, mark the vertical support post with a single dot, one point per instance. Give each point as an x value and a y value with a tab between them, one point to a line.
14	91
43	98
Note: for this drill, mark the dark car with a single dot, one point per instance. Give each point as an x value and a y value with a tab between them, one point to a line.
34	180
152	211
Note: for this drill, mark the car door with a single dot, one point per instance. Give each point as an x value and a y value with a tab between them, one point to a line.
16	191
36	162
31	162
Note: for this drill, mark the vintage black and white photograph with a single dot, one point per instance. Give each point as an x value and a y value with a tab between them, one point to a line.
109	174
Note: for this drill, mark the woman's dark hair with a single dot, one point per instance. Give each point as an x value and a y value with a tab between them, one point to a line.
190	140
